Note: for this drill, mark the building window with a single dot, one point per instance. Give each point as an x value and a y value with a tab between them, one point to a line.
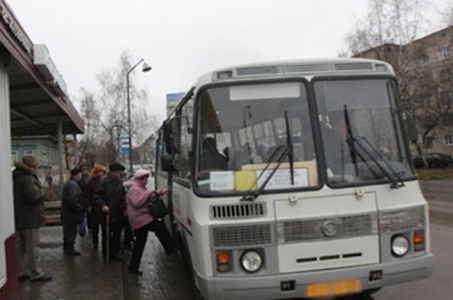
14	156
449	140
29	152
443	54
448	119
445	98
445	75
424	100
423	60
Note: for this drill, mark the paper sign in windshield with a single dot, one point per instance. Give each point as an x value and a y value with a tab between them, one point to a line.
222	181
245	180
282	179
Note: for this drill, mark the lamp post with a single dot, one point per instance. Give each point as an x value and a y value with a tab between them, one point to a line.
145	68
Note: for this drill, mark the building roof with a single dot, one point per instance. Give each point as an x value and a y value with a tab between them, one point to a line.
38	97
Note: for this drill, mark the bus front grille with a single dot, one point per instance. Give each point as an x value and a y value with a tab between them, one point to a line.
243	235
338	227
238	211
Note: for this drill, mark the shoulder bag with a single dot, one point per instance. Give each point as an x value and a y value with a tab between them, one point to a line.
157	207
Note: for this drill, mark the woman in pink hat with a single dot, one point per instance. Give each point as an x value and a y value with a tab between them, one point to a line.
141	221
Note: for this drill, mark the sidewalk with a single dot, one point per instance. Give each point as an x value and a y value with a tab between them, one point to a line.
83	277
88	277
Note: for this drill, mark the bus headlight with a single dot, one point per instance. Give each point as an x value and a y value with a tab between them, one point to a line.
400	245
251	261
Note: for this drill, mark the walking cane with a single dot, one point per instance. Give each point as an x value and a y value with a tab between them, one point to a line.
107	236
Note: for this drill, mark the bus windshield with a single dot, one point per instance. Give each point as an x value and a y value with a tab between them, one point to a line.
361	135
259	137
243	138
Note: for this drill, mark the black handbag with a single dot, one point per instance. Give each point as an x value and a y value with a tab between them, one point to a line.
157	208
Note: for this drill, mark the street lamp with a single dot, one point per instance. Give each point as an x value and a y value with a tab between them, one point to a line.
145	68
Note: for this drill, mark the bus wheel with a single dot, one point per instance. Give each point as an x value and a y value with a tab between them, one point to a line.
188	261
371	291
184	255
367	294
183	252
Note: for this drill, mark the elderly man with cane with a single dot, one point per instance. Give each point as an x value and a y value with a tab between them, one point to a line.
110	197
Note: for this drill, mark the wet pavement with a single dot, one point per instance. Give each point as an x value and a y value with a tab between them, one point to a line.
164	277
89	277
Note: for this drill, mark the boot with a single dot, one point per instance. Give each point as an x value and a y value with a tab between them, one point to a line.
68	249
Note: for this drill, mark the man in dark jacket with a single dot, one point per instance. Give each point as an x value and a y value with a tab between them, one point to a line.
110	197
71	211
29	216
83	183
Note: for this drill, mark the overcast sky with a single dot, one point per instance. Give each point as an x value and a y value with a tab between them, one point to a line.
182	39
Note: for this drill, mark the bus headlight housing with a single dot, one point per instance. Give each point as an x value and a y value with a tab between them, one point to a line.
400	245
251	261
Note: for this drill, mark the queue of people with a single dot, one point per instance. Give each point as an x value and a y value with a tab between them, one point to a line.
103	198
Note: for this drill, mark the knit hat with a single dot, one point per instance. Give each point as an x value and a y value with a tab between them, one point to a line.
141	173
116	167
76	171
29	161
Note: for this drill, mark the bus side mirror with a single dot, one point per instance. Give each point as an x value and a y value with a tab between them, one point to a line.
166	161
168	136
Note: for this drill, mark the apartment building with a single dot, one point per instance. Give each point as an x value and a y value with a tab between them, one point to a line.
424	71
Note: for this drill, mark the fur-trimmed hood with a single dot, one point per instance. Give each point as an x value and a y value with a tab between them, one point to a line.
22	169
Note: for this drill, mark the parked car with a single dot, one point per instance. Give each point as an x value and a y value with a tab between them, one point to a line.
432	160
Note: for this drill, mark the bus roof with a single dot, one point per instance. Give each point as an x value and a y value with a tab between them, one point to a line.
303	67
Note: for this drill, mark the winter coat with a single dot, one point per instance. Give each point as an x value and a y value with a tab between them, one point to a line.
83	183
91	186
72	205
28	198
111	192
137	200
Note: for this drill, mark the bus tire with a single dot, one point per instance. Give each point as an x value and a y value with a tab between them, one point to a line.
366	295
184	254
371	291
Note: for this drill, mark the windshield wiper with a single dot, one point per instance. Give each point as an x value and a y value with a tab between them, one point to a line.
287	151
290	147
352	142
383	160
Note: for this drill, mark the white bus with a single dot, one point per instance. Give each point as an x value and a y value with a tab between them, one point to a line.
294	179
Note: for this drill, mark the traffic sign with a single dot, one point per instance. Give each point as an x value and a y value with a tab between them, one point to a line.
125	147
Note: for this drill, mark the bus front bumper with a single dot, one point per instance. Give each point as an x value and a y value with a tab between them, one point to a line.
272	287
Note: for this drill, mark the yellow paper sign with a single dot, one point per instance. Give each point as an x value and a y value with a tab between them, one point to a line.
245	180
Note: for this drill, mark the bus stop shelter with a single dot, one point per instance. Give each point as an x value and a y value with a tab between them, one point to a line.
33	102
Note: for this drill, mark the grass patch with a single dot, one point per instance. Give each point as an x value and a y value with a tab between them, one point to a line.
438	173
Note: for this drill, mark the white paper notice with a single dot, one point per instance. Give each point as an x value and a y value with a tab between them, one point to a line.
221	181
282	179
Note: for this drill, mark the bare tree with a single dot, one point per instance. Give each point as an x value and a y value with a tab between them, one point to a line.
91	116
391	32
447	15
106	118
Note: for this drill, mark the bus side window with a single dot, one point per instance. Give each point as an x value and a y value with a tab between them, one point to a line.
185	141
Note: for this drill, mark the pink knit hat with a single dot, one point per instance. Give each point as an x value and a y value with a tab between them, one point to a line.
141	173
